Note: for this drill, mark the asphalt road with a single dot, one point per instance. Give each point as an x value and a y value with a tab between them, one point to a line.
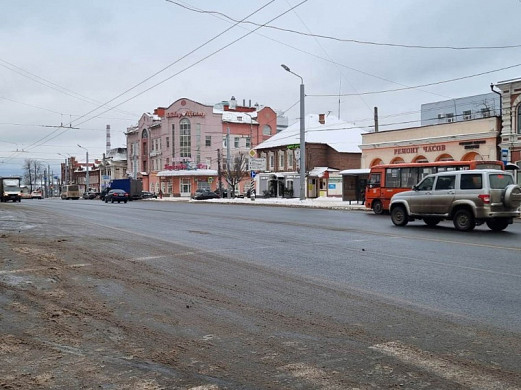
473	275
354	301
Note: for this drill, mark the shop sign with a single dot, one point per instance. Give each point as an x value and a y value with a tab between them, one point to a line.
424	149
183	114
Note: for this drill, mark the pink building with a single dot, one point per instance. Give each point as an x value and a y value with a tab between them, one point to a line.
176	150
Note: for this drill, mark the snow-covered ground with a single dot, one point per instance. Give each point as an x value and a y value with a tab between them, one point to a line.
321	202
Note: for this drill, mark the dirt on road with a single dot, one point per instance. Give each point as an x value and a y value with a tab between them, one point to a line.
86	308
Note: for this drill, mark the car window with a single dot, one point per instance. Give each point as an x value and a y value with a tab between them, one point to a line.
426	184
445	182
499	181
471	182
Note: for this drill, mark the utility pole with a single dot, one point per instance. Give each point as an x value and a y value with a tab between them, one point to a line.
376	119
228	156
219	172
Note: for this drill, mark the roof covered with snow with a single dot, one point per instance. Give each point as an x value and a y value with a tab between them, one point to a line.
342	136
239	117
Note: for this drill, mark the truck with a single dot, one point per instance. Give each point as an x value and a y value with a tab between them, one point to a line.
10	189
131	186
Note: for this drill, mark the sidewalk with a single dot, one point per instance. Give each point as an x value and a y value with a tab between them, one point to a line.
321	203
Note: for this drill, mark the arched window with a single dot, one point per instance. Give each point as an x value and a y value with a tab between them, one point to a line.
185	138
472	156
397	160
266	130
420	159
376	161
144	134
445	157
519	119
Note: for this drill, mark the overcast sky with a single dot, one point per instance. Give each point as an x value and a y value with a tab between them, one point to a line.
76	63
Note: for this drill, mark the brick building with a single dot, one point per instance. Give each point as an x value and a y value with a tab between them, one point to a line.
331	145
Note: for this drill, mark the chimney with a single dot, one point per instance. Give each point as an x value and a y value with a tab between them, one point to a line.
322	118
108	139
233	103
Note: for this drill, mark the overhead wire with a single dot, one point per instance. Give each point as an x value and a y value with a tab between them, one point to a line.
351	40
47	139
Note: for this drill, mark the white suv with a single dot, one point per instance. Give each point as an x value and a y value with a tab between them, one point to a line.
469	198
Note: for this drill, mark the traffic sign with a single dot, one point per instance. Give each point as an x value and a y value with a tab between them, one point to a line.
252	153
257	164
252	174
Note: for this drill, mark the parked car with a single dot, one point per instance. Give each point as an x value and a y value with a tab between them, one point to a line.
37	194
223	193
467	197
206	195
90	195
116	196
148	195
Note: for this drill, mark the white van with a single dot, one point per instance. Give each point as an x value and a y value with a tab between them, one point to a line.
71	191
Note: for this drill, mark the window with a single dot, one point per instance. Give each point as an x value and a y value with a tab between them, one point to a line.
266	130
500	181
409	177
485	112
236	142
272	161
374	180
173	140
392	177
290	158
467	115
426	185
185	139
167	142
208	140
445	182
281	160
519	119
471	182
248	142
208	162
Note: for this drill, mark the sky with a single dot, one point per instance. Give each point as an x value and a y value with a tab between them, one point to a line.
70	68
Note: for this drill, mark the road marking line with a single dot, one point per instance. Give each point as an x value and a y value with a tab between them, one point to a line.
15	271
456	373
145	258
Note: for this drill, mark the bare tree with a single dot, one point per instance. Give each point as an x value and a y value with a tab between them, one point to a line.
33	171
236	171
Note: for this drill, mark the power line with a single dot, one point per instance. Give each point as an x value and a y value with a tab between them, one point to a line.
421	85
202	59
349	40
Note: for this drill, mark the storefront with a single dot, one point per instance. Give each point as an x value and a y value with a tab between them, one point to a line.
184	182
466	140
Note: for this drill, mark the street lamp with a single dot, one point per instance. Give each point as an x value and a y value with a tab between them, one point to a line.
87	172
302	136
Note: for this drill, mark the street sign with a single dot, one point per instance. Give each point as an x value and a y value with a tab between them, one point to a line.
257	164
252	174
252	153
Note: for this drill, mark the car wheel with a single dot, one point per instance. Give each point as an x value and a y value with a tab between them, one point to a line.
464	220
497	224
399	216
378	207
431	221
106	200
124	201
112	201
512	196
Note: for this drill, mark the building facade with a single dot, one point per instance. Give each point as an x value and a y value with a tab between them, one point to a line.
331	145
194	140
510	140
465	140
